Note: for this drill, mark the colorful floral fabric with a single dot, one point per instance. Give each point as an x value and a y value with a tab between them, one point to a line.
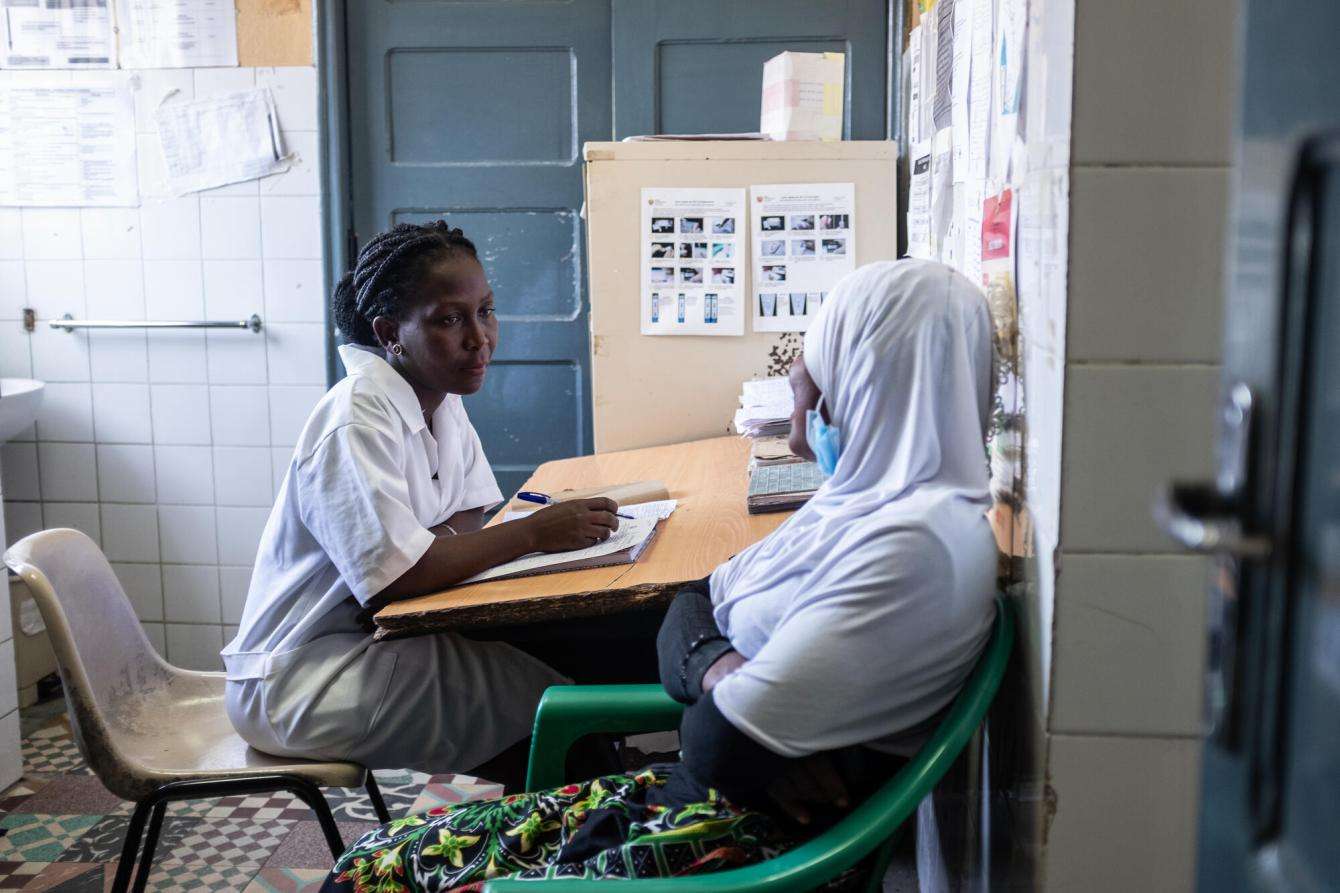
606	828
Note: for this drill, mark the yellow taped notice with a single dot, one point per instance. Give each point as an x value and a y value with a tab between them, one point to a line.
274	32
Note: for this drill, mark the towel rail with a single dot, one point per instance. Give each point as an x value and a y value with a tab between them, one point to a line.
69	323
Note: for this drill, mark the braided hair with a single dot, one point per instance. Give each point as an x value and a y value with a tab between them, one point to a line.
385	279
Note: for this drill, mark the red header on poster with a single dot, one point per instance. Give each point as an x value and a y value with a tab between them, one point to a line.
996	225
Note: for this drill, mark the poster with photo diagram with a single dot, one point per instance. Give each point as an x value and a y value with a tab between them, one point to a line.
804	238
692	275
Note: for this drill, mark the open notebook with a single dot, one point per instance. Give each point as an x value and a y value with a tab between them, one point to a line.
625	546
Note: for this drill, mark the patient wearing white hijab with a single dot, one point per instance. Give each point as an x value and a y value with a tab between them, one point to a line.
858	620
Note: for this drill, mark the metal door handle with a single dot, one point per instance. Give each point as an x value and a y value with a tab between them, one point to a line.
1202	519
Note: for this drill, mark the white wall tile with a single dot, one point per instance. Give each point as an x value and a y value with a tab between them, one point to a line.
180	413
233	289
213	81
174	289
52	234
55	288
177	356
289	409
191	593
291	226
151	169
110	232
240	532
152	86
120	356
233	585
195	646
121	413
15	354
240	415
171	229
59	355
156	636
114	289
296	353
1124	813
130	532
125	472
187	534
236	357
68	471
21	519
11	233
230	228
143	584
13	289
185	474
18	471
1130	429
1146	264
294	90
66	412
242	476
294	291
303	175
1153	95
82	516
9	697
1129	644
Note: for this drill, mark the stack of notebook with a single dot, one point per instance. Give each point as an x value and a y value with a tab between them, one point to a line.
780	488
765	408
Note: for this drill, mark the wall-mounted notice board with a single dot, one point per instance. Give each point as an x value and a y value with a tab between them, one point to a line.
274	32
649	390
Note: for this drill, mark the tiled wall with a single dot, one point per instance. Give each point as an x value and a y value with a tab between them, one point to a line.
1149	181
166	446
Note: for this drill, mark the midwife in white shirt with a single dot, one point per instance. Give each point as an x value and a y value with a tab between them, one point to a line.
384	498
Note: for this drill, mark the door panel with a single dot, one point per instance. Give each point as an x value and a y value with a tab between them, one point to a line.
476	113
696	66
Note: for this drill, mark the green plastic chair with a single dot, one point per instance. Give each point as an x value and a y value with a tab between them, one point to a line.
568	712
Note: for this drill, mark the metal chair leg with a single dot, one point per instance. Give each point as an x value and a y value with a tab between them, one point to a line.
131	846
312	796
375	795
150	842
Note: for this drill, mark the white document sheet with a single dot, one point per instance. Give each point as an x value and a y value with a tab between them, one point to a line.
979	89
804	241
68	145
915	97
220	140
630	534
177	33
1011	28
961	79
49	34
942	189
693	264
659	509
942	100
919	203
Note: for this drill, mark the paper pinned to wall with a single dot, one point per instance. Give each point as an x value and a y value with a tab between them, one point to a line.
979	89
942	101
942	189
220	140
919	202
915	98
804	242
177	33
68	146
1008	94
57	35
962	72
692	261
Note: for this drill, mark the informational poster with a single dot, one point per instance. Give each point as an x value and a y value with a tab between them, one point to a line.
56	34
68	146
804	241
177	33
919	202
692	261
220	140
999	246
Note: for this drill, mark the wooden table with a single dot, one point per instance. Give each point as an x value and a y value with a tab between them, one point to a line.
711	524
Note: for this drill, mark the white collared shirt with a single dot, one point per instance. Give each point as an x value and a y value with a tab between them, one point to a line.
366	481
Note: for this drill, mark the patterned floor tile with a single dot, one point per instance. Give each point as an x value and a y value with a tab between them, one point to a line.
41	838
76	794
64	877
102	842
254	807
305	847
14	875
52	752
399	787
199	876
287	880
445	790
224	842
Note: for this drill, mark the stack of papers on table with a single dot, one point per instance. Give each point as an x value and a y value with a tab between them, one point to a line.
765	408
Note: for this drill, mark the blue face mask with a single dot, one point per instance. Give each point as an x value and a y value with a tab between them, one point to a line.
825	440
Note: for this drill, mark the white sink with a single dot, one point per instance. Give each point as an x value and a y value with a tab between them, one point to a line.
19	400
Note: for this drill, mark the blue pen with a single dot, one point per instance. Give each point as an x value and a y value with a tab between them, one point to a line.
530	496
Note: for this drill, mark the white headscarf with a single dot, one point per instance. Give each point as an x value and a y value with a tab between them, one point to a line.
864	612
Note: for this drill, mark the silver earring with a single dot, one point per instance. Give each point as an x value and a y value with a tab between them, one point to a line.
397	349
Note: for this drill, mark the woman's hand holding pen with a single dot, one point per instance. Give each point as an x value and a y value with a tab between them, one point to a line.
575	524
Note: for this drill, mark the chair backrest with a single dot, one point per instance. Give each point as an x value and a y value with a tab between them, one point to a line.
101	651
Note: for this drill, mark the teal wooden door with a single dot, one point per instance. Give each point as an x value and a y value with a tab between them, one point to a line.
477	112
